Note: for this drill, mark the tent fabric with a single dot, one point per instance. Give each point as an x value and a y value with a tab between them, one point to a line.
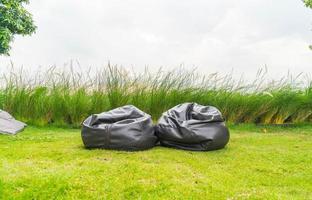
123	128
8	125
191	126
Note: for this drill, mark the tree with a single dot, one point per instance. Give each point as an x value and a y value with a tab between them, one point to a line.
14	20
308	3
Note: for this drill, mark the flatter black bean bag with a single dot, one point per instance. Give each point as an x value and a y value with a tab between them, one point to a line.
191	126
125	128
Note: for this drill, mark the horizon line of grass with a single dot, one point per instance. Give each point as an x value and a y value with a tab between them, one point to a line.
65	97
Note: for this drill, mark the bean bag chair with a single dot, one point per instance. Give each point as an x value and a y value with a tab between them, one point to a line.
125	128
9	125
191	126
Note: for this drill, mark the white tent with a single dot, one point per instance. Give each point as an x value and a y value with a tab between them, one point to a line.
8	125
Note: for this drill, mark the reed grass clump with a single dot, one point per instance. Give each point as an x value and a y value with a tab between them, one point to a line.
65	97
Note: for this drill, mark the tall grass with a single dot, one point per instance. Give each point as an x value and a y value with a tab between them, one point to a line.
66	97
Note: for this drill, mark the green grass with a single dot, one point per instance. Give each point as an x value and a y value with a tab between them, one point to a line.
64	98
258	163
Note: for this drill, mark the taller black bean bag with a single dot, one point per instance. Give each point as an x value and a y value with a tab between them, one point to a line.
124	128
191	126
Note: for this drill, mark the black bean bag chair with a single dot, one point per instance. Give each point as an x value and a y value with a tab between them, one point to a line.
191	126
125	128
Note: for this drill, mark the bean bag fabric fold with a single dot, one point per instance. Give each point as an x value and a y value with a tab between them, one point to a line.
191	126
125	128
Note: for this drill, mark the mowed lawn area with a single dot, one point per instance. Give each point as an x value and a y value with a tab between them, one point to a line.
258	163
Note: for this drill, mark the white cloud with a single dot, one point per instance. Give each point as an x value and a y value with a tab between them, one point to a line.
211	35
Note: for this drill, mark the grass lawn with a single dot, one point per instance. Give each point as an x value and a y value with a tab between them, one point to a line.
51	163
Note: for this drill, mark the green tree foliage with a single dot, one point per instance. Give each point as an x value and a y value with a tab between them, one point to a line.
308	3
14	20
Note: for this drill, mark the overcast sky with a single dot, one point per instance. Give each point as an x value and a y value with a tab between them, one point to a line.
219	35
